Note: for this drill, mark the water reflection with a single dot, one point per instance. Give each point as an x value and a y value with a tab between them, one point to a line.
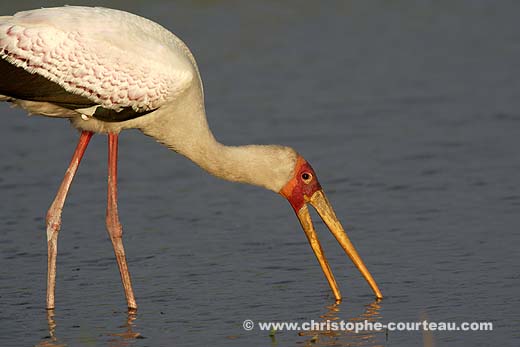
428	339
338	338
51	340
126	337
123	338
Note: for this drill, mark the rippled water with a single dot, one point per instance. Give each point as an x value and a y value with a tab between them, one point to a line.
408	111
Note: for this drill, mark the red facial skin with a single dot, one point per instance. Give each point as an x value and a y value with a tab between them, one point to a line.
299	190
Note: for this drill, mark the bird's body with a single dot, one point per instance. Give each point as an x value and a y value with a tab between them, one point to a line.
148	69
113	58
108	70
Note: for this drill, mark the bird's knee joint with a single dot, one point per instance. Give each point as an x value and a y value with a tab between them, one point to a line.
53	224
115	230
116	236
53	229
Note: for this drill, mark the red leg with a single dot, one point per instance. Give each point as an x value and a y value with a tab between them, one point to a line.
54	215
113	226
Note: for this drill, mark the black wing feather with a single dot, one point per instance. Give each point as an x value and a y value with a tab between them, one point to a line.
17	83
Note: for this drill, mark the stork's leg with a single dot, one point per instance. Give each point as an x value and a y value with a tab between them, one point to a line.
54	215
113	226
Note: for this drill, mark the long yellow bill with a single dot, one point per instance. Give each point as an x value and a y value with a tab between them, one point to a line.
320	202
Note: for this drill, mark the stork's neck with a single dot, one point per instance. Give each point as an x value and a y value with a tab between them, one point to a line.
183	128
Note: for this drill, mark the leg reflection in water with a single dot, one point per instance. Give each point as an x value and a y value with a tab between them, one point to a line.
124	337
333	337
51	340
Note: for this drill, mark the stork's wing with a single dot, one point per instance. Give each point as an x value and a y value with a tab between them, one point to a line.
103	57
17	83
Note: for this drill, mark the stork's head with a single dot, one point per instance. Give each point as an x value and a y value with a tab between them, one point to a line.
281	169
302	188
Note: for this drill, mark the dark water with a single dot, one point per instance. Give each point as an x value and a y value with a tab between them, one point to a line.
408	110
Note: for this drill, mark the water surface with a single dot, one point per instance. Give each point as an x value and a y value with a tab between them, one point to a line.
408	111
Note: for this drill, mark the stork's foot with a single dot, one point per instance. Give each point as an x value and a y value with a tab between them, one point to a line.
52	251
119	252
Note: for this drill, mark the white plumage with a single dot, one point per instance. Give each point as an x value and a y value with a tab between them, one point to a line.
84	52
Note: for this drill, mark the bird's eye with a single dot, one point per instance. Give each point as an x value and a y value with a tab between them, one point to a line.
306	177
